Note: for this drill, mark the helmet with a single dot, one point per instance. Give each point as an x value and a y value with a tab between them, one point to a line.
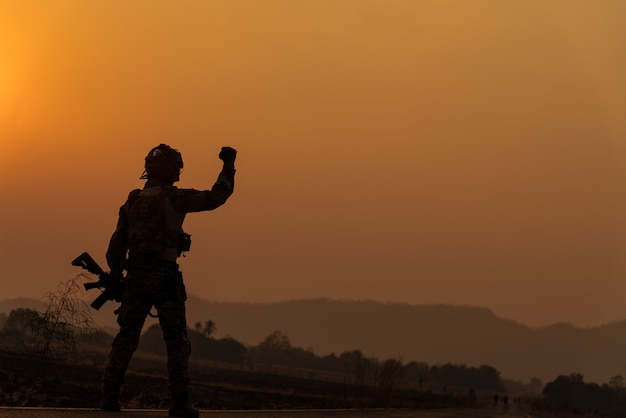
163	163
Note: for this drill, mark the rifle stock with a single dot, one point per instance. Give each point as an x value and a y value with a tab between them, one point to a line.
87	263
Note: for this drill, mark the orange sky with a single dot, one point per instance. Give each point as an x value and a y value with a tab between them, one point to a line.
411	151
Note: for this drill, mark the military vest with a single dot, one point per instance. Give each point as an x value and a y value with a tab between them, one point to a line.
148	232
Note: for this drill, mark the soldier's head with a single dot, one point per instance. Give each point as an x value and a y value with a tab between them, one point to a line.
163	163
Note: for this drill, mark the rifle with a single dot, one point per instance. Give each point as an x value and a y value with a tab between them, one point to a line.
111	287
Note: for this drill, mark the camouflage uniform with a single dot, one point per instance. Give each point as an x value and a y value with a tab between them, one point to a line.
160	286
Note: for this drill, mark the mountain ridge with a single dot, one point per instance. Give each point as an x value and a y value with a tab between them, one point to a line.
434	334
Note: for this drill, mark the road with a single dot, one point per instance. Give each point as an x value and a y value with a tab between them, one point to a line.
369	413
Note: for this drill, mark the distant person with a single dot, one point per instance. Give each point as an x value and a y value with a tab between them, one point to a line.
147	241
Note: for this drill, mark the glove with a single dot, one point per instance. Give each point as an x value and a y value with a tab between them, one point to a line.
228	154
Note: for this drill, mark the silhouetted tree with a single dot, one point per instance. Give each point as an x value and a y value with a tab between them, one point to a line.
386	376
276	341
616	382
19	329
224	349
562	391
331	363
274	349
358	366
51	333
65	316
208	328
572	393
22	319
536	384
417	373
229	350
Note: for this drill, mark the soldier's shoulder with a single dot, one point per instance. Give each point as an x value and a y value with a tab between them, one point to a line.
133	193
132	196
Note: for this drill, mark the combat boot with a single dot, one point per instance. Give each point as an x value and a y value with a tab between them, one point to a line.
110	398
180	406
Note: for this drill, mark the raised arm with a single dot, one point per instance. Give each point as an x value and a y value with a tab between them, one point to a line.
192	200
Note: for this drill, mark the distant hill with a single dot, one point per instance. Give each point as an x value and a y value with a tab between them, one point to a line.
7	305
427	333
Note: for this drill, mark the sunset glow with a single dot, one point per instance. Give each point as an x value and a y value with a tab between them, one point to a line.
423	152
6	99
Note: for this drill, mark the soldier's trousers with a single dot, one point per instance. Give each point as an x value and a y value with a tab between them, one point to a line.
162	288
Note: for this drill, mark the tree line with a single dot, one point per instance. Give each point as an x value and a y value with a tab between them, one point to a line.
64	329
57	333
23	326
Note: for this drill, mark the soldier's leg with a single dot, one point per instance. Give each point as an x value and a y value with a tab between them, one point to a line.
131	318
174	326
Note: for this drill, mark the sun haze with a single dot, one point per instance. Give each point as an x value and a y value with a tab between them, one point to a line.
420	152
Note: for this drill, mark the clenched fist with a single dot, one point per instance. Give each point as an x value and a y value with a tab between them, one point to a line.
228	154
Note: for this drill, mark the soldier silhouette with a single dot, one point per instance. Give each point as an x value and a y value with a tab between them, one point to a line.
147	241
